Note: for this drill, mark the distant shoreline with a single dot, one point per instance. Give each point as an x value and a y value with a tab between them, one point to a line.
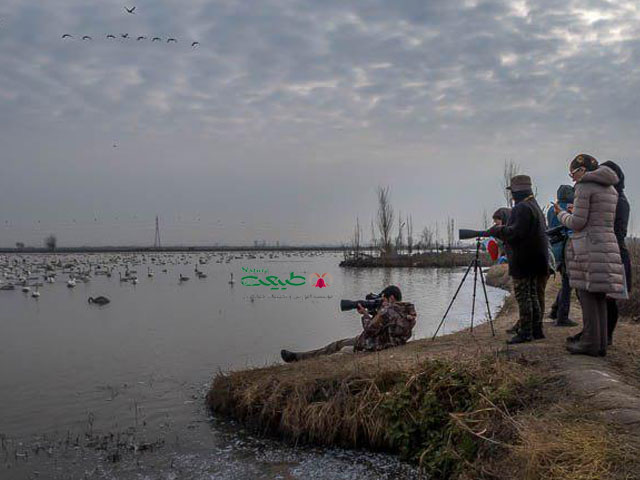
180	248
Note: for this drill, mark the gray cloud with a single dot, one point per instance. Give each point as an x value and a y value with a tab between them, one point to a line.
290	113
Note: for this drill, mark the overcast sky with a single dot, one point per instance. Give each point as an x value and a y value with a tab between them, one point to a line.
282	122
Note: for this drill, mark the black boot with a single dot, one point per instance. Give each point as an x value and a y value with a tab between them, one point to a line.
538	334
288	356
565	323
521	337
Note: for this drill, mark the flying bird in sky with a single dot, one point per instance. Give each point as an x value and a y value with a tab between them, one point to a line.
172	40
141	37
195	44
125	35
130	10
111	36
156	39
66	35
87	37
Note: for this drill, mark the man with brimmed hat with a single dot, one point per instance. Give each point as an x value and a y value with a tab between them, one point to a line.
525	236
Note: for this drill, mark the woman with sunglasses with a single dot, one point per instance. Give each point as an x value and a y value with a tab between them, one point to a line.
593	255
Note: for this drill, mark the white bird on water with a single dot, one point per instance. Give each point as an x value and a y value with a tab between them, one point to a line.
232	281
36	293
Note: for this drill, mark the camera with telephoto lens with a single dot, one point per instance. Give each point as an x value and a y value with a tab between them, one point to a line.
558	234
372	303
465	234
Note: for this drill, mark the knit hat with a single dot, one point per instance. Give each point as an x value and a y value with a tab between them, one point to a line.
586	161
520	183
566	194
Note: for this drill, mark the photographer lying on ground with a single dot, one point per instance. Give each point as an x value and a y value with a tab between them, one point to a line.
526	239
390	327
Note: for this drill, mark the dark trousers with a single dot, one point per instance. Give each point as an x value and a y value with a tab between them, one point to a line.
529	294
612	316
333	347
564	299
562	304
594	315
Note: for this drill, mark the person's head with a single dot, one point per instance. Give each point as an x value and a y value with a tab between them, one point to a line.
580	165
616	168
392	294
521	187
566	194
501	216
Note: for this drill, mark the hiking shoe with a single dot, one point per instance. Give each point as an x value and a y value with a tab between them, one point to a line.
513	329
288	356
565	323
538	334
574	338
579	349
519	338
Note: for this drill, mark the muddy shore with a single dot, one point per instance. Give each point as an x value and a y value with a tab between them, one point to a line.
463	406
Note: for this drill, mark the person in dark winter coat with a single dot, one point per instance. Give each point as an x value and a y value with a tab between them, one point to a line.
561	306
525	235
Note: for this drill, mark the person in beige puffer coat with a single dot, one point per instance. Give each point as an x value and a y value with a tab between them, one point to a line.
593	256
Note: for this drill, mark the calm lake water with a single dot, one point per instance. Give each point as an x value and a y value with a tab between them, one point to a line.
117	391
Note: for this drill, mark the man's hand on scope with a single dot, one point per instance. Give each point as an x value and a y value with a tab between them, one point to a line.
361	309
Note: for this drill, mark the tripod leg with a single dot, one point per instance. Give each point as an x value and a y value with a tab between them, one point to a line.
453	299
475	285
486	299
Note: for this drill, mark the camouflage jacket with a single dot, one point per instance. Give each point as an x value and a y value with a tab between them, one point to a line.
390	327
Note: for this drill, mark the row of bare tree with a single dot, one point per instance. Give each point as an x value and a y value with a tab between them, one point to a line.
429	238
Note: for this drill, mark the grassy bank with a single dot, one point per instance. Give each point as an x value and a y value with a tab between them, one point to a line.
418	260
463	406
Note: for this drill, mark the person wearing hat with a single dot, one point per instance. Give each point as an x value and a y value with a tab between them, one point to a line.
620	228
593	254
525	236
561	306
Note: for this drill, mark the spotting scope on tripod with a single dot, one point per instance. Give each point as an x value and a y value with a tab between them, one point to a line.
477	268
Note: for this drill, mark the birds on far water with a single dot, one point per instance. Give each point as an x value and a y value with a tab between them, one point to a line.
99	300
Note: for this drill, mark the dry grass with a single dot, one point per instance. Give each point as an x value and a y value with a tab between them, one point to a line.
455	406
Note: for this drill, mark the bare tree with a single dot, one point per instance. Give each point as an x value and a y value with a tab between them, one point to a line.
357	235
485	220
450	233
50	242
510	170
385	219
410	234
400	236
427	238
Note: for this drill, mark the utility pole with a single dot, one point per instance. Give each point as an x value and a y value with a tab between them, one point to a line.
156	242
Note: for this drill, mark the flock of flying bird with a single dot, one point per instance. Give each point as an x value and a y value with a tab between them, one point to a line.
126	35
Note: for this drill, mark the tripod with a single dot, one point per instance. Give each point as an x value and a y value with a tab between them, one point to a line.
475	264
